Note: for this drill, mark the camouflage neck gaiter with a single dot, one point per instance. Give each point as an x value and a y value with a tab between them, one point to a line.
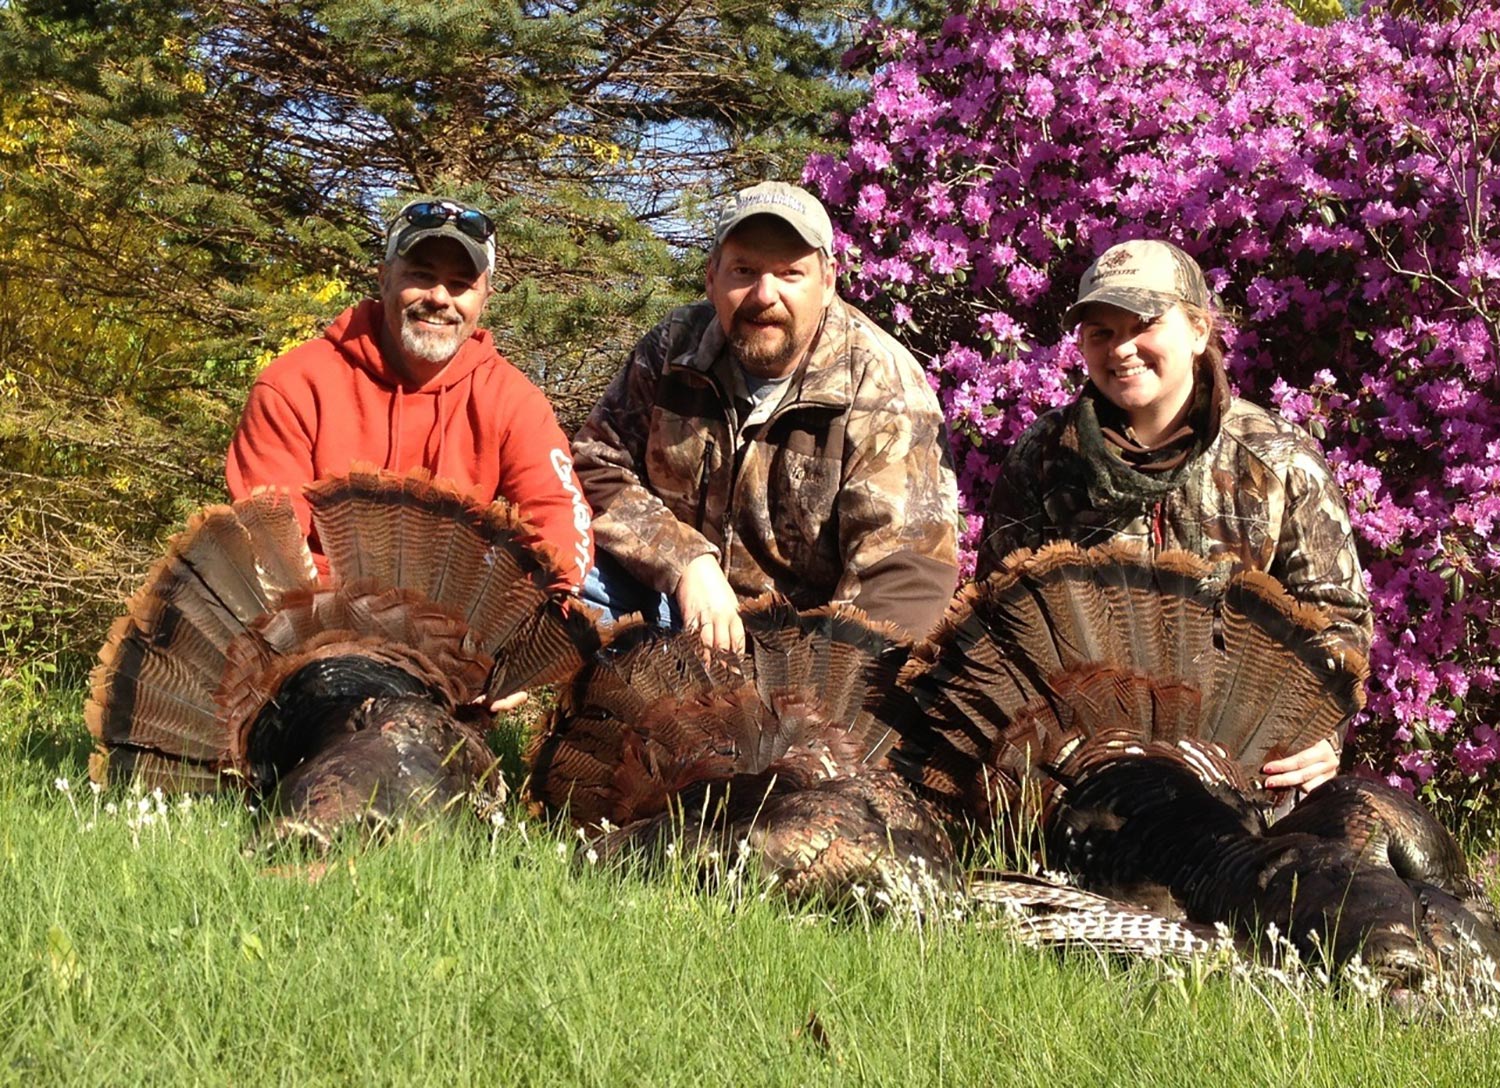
1122	492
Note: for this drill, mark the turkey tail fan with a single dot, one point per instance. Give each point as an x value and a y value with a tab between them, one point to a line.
647	705
799	701
153	696
768	748
1184	653
1003	687
836	654
1281	681
193	684
474	561
649	718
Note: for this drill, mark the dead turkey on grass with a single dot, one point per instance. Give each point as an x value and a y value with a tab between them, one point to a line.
347	700
657	746
1115	707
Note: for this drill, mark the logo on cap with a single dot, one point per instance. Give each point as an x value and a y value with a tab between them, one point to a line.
796	207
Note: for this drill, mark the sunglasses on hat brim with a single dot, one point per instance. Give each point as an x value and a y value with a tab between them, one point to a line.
426	214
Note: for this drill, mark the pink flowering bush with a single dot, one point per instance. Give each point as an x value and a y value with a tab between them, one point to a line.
1340	187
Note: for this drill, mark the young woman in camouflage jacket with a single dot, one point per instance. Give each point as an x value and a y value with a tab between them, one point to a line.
1156	450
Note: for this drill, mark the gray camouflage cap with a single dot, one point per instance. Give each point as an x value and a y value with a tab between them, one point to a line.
1143	276
420	220
797	207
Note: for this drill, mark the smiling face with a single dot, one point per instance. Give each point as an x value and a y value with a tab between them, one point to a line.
770	289
1143	366
433	298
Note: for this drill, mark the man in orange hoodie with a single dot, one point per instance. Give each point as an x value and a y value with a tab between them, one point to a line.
410	379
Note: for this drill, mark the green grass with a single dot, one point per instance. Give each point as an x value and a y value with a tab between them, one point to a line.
152	951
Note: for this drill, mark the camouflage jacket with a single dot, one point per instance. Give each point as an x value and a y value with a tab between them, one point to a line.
846	493
1259	492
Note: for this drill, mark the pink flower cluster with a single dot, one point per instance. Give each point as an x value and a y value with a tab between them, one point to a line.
1341	188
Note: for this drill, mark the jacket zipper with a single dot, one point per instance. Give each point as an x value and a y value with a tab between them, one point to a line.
703	476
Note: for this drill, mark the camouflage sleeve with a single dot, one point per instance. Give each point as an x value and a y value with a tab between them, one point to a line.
609	451
1315	555
1015	513
898	504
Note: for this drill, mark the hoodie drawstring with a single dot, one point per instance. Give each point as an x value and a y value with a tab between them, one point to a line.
440	427
393	419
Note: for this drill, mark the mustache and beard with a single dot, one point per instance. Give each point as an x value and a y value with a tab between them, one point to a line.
765	342
433	345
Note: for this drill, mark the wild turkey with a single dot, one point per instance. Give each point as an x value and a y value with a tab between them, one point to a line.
654	742
338	701
1118	707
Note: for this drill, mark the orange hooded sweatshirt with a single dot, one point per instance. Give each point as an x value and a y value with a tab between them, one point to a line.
479	423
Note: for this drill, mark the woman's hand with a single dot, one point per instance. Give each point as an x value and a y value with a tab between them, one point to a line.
509	702
1307	769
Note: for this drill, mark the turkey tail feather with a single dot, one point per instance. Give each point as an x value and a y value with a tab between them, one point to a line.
1281	683
765	748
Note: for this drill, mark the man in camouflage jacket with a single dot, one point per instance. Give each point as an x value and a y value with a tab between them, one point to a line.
1256	490
773	438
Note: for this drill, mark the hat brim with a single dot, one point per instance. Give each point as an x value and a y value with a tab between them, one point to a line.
805	232
412	237
1137	300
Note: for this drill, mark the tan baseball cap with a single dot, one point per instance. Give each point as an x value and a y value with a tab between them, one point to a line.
797	207
1145	277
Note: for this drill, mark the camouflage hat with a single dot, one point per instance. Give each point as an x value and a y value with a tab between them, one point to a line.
423	219
794	206
1145	277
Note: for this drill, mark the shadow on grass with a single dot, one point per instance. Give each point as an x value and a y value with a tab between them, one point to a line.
45	727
